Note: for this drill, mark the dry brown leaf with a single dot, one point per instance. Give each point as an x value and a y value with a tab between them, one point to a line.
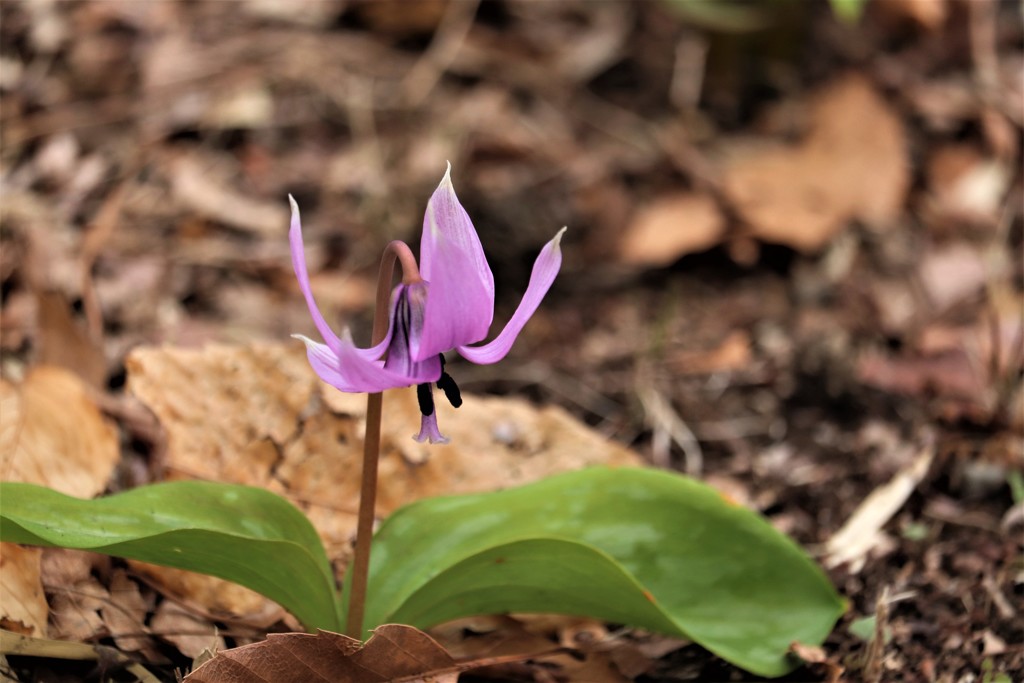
125	614
74	610
53	434
65	343
189	632
24	607
734	353
393	653
670	227
200	187
928	14
853	164
258	415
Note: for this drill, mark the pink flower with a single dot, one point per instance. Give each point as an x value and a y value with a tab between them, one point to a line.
451	307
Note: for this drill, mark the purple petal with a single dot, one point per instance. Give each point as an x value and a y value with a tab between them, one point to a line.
545	268
302	274
429	430
347	370
460	302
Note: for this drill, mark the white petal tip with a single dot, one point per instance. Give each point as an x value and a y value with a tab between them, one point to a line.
447	179
303	338
557	241
294	205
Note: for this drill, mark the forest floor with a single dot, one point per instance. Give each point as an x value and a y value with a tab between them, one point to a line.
793	269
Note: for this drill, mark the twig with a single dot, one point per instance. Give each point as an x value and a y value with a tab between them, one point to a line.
395	251
876	648
448	38
664	417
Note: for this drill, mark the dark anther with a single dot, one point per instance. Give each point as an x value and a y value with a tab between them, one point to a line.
450	389
426	398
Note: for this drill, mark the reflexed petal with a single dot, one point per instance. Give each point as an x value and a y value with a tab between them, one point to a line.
302	274
460	303
429	430
545	268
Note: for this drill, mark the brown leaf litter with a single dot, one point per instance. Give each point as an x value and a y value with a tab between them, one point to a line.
853	164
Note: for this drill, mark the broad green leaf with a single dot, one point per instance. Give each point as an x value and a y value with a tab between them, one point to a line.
633	546
239	533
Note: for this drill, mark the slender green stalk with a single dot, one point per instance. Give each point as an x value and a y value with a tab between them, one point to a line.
371	443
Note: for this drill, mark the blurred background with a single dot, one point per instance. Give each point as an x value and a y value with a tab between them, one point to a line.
794	244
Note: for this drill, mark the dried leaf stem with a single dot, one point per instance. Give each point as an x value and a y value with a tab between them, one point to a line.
395	251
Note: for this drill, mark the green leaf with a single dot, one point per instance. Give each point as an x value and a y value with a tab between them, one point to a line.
632	546
239	533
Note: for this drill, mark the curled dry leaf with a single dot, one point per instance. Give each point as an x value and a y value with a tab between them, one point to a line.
393	653
671	227
852	165
258	415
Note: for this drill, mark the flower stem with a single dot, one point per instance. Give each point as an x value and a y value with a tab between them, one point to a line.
395	251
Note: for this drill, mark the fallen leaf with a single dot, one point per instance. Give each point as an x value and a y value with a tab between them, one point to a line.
189	632
75	610
54	435
64	342
671	227
733	353
217	597
393	653
24	606
125	614
852	165
200	187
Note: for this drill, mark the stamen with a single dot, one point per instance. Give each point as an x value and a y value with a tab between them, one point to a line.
447	384
451	390
426	399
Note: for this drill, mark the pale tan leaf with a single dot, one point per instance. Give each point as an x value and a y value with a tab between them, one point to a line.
53	434
189	632
863	530
125	614
670	227
852	165
23	609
